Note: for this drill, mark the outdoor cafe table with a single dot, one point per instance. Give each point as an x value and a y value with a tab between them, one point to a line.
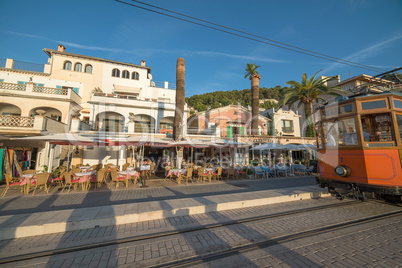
84	177
128	173
176	172
28	179
85	168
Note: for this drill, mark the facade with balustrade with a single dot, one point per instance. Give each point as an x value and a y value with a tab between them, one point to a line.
116	93
84	95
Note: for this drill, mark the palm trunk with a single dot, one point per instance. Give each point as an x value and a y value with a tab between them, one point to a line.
310	132
255	102
180	97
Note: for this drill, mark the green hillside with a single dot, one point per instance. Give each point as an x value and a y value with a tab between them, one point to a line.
222	98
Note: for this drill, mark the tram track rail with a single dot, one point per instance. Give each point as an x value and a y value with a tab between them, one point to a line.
190	262
122	241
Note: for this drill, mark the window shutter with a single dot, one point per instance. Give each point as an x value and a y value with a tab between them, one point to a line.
59	87
76	90
242	130
229	131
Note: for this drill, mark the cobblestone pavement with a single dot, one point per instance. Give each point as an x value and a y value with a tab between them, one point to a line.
16	203
368	244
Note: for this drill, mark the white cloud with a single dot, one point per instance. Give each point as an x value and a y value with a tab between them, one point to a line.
366	52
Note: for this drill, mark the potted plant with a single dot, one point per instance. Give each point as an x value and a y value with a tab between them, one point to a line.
250	173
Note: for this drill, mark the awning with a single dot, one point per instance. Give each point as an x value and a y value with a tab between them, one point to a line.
126	89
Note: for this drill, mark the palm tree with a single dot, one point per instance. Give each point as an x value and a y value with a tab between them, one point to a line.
180	97
252	73
307	92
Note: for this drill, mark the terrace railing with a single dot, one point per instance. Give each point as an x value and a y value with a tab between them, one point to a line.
12	86
17	121
50	90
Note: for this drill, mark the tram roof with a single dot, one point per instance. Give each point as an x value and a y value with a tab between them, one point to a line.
363	95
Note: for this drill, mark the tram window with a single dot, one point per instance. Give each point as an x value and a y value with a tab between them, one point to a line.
377	127
346	109
398	104
340	132
374	105
399	121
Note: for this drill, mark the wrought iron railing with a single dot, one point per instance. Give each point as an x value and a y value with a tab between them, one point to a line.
16	121
288	129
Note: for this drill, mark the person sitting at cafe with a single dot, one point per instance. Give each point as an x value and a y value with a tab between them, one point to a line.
350	137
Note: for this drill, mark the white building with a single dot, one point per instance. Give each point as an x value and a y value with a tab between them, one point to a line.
86	95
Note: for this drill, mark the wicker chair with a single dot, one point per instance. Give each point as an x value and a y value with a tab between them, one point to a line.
116	179
100	178
218	174
42	180
69	180
10	184
187	177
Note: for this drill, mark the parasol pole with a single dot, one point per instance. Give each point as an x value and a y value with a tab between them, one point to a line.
68	156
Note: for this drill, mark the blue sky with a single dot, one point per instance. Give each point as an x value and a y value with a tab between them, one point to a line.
366	32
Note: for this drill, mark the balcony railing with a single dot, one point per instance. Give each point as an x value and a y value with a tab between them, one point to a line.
288	129
131	97
12	86
50	90
16	121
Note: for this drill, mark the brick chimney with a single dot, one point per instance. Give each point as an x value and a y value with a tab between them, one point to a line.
61	48
143	63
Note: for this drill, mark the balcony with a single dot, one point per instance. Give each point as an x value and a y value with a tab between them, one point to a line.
288	129
39	92
131	100
17	121
26	125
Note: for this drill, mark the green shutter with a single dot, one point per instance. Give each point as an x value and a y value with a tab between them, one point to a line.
242	130
21	83
76	90
39	85
229	131
59	87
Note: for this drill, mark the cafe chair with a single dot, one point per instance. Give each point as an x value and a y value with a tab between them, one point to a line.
258	172
125	166
69	180
117	179
243	171
218	174
29	171
231	173
10	184
188	176
167	169
152	171
42	180
99	179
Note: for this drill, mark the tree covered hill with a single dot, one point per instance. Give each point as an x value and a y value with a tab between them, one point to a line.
222	98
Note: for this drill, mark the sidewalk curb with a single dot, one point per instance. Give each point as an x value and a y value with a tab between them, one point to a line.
42	223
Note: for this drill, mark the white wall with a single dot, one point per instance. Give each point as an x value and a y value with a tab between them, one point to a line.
14	77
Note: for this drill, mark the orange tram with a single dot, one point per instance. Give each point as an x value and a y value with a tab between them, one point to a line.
359	145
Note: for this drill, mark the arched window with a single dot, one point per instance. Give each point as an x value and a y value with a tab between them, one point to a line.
78	67
88	68
125	74
115	73
135	76
67	65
